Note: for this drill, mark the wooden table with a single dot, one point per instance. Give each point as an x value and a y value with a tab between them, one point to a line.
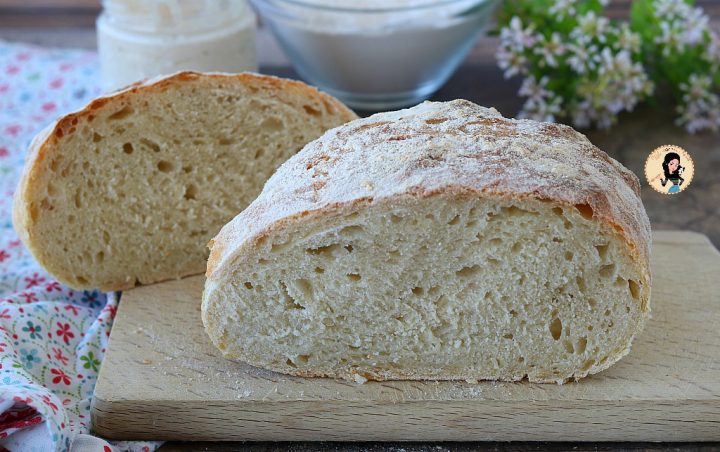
479	80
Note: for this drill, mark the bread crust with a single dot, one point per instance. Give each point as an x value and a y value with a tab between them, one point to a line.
452	149
46	146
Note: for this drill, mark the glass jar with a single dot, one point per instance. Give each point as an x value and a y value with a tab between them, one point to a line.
138	39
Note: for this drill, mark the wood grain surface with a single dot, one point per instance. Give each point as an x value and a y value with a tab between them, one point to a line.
163	379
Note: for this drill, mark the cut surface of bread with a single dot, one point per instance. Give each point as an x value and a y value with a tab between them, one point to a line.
438	242
129	189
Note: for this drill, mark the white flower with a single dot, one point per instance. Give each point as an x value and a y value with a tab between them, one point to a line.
670	8
562	8
712	51
541	109
680	25
695	25
670	38
628	40
514	39
517	37
583	59
620	84
590	26
700	107
550	49
511	62
534	88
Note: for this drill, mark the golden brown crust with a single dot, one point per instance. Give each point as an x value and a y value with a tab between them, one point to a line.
47	145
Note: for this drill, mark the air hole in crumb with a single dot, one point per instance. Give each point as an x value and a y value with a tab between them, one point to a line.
619	282
455	220
121	114
225	141
466	272
319	270
587	364
569	347
354	277
581	345
97	137
395	218
417	291
513	313
100	257
311	110
81	280
507	336
77	199
328	249
580	281
557	240
602	251
272	124
607	313
634	289
352	230
592	302
290	363
627	309
128	148
513	210
164	166
303	358
290	302
521	359
568	256
495	241
153	146
349	248
248	285
259	153
305	287
557	211
190	192
567	225
585	210
607	271
516	247
555	328
187	168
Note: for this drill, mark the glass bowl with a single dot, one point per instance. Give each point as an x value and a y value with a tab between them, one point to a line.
376	54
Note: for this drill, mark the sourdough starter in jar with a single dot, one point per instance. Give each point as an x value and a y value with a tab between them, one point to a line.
138	39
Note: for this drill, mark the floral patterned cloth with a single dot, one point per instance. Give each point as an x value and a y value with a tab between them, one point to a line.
52	338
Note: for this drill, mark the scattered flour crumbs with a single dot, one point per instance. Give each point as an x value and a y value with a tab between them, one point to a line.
177	359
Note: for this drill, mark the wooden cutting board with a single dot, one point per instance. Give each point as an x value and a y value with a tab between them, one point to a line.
163	379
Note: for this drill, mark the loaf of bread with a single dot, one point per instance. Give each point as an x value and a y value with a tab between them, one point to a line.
130	189
438	242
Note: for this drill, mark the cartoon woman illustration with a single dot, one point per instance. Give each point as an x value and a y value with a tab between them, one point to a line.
672	172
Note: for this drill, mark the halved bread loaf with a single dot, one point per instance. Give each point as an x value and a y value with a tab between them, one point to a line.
438	242
129	189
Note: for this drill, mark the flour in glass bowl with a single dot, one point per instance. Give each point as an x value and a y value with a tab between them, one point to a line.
373	53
